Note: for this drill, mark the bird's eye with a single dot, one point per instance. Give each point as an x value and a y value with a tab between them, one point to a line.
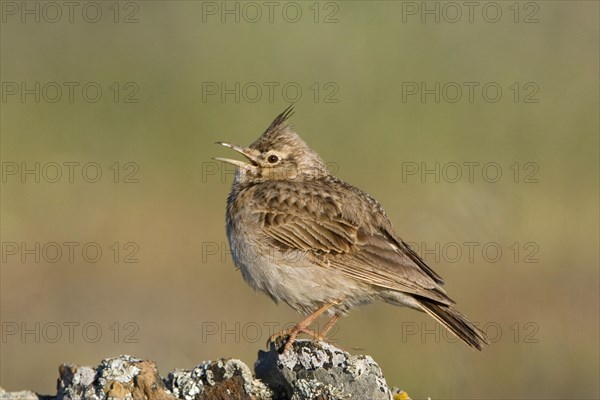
273	159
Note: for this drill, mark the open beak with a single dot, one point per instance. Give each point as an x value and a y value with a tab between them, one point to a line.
244	151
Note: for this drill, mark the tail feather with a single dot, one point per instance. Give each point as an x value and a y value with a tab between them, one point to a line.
455	322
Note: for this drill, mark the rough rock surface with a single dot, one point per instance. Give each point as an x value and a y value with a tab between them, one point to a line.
311	371
22	395
317	370
123	377
221	379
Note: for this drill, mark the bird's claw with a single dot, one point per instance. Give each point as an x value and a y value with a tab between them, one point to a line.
291	335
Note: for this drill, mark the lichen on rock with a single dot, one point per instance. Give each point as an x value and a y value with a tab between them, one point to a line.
309	371
123	377
320	370
221	379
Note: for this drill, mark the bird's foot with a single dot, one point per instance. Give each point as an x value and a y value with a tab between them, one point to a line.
290	335
302	327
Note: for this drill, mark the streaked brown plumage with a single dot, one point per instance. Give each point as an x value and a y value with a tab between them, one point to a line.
319	244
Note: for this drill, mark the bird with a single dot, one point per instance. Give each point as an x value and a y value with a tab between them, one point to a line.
310	240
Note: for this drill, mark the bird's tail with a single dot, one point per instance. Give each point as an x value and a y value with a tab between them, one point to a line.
455	322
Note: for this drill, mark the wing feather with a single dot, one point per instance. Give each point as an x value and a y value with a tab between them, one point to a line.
332	238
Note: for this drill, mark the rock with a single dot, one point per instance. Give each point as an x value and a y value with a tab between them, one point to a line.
126	377
310	371
221	379
123	377
22	395
318	370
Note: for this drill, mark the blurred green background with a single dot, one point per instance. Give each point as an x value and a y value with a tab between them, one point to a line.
183	302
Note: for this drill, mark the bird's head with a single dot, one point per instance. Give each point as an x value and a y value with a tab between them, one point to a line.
278	154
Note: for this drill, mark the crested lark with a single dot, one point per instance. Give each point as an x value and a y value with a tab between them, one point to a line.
319	244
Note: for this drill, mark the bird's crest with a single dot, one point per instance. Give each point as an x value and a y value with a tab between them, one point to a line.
280	121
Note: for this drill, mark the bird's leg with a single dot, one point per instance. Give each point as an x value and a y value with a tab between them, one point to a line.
301	327
328	326
331	322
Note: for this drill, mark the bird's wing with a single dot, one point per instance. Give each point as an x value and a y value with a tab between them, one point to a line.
318	235
380	262
332	241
